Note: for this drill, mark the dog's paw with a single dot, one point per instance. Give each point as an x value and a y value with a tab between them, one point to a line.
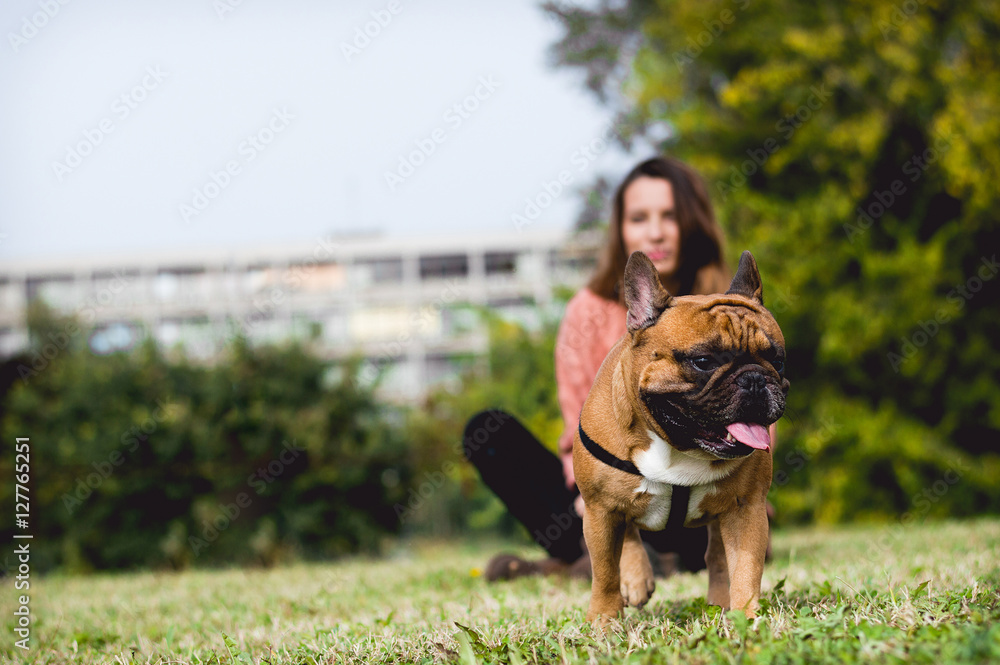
638	588
600	622
635	575
604	612
718	595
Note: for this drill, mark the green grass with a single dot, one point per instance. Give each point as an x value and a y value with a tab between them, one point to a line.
927	594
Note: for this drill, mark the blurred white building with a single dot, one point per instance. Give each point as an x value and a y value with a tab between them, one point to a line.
407	306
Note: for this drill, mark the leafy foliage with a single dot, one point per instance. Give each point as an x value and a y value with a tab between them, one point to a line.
138	460
854	148
518	376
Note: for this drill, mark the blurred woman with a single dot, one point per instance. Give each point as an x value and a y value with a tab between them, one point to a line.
661	208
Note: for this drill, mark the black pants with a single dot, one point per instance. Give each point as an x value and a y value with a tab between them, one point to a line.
529	480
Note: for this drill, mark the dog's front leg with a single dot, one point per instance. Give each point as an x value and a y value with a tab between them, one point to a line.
744	534
604	532
718	569
637	583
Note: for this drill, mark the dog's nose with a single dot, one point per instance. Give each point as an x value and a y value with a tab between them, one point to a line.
752	382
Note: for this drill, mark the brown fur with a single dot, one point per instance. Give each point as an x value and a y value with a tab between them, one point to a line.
615	416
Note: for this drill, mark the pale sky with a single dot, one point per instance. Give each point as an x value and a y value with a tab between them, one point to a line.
119	119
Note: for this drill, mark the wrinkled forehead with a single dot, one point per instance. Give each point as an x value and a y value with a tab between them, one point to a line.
704	323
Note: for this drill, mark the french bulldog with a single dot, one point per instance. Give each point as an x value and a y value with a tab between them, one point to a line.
675	429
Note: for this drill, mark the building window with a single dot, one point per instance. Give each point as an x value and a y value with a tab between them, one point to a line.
57	291
182	285
501	263
116	287
194	333
256	278
446	369
387	270
113	337
166	285
10	299
447	265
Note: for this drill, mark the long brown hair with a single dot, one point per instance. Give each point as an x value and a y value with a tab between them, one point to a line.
701	268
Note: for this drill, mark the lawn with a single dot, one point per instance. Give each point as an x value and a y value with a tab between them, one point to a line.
928	593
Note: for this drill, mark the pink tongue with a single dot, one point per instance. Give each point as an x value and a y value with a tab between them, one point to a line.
751	434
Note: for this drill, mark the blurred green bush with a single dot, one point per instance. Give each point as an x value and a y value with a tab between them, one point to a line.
140	460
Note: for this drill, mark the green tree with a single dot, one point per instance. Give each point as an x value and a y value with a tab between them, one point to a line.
854	147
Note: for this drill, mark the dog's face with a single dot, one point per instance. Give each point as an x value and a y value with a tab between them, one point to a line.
708	370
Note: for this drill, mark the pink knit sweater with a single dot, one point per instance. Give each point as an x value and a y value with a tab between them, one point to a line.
589	329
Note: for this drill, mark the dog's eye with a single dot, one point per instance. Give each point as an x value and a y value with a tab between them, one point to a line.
778	364
705	363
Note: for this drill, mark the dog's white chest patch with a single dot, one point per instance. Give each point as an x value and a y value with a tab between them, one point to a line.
663	466
661	495
658	510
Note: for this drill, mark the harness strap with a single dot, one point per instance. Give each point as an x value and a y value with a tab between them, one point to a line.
600	453
680	495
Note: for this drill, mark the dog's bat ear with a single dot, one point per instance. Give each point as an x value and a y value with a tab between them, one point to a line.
644	294
746	282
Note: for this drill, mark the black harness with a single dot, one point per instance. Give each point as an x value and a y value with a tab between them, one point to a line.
680	495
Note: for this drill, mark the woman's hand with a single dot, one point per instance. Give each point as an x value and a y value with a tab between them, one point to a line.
567	462
578	505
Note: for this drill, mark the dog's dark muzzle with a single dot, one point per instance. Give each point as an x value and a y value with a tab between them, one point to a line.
756	399
754	402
